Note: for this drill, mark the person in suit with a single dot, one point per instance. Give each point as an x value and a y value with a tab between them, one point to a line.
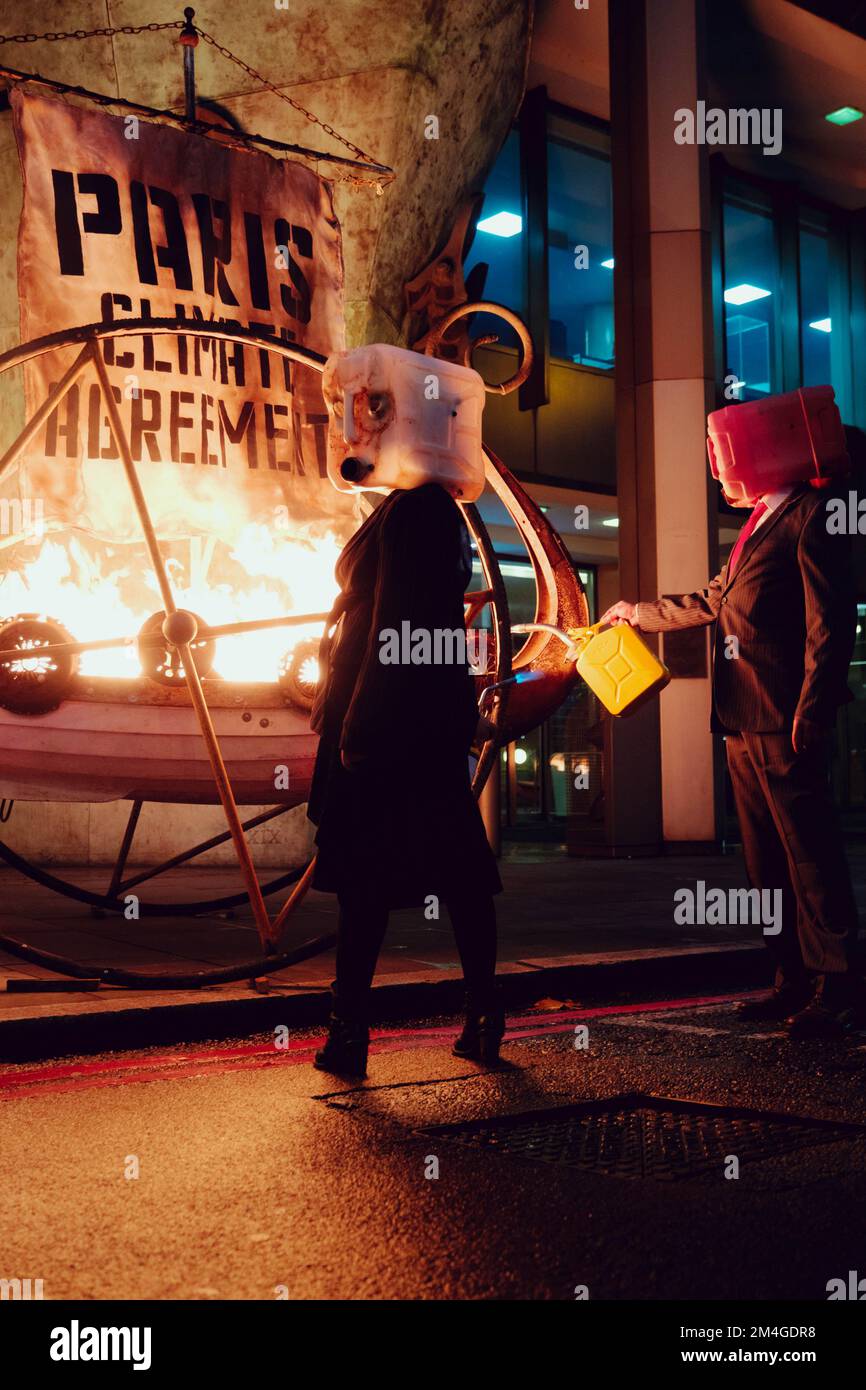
784	613
397	823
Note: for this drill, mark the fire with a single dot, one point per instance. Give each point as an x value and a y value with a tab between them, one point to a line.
99	591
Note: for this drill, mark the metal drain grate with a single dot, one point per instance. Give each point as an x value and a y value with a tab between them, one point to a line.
641	1136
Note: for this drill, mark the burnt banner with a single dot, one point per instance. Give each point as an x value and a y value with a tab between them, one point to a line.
125	218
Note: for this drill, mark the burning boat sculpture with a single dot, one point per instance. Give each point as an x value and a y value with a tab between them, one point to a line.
181	732
152	679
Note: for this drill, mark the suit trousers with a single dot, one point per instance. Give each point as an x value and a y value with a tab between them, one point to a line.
792	842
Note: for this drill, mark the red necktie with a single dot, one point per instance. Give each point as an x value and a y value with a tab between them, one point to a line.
760	509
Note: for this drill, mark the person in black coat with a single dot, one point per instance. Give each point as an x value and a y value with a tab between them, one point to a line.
397	823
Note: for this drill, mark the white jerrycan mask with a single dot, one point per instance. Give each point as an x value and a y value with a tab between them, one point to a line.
399	419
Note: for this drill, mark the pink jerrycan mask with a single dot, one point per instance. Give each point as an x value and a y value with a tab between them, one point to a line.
399	419
765	446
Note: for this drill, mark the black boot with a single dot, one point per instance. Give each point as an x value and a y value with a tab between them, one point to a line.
482	1031
838	1005
345	1049
786	999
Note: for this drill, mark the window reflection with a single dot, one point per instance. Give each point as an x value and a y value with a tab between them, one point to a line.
751	293
499	243
580	242
815	322
544	768
580	253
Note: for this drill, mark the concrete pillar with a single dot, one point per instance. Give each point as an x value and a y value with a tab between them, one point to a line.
662	774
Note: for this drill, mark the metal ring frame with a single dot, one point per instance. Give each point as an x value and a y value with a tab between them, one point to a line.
486	306
89	336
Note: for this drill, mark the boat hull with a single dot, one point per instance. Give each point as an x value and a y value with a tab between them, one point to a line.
116	740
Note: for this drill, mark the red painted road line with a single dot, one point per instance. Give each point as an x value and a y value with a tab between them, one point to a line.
11	1078
215	1067
210	1061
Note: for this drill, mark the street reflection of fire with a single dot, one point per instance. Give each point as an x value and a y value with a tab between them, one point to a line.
100	591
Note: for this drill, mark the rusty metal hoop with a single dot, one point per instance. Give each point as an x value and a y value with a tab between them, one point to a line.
487	306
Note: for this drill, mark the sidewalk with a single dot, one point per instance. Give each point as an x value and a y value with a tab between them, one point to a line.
569	928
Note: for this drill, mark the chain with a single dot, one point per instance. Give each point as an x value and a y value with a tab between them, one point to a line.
257	76
91	33
109	33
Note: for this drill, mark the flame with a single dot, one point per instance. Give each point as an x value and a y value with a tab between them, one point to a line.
99	591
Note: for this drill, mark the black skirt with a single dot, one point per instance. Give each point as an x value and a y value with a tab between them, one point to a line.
402	833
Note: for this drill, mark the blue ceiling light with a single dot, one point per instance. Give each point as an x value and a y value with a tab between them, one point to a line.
502	224
822	325
745	294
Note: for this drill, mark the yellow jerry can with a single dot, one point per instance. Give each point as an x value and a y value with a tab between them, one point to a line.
618	666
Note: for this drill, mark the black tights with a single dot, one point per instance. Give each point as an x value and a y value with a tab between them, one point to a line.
364	921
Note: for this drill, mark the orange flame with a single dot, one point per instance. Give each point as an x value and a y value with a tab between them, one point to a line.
98	591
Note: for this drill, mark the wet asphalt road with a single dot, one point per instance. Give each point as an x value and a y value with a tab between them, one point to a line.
259	1177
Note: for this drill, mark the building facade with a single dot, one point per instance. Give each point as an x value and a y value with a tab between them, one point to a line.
687	185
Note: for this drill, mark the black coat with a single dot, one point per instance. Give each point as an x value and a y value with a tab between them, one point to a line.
404	824
791	607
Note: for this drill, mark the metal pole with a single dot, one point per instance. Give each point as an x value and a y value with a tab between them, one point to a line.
125	847
205	633
510	786
138	498
184	857
51	402
294	899
189	39
183	625
226	796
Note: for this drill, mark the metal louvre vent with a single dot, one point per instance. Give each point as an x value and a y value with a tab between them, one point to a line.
641	1136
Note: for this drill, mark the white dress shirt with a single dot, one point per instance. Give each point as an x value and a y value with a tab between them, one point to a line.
771	501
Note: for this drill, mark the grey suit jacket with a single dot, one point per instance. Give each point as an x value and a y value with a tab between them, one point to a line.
791	609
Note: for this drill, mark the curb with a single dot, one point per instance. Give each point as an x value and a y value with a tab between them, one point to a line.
98	1025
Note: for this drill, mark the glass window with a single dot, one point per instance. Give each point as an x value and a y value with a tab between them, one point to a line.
580	249
580	243
751	293
545	762
815	324
498	249
519	579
